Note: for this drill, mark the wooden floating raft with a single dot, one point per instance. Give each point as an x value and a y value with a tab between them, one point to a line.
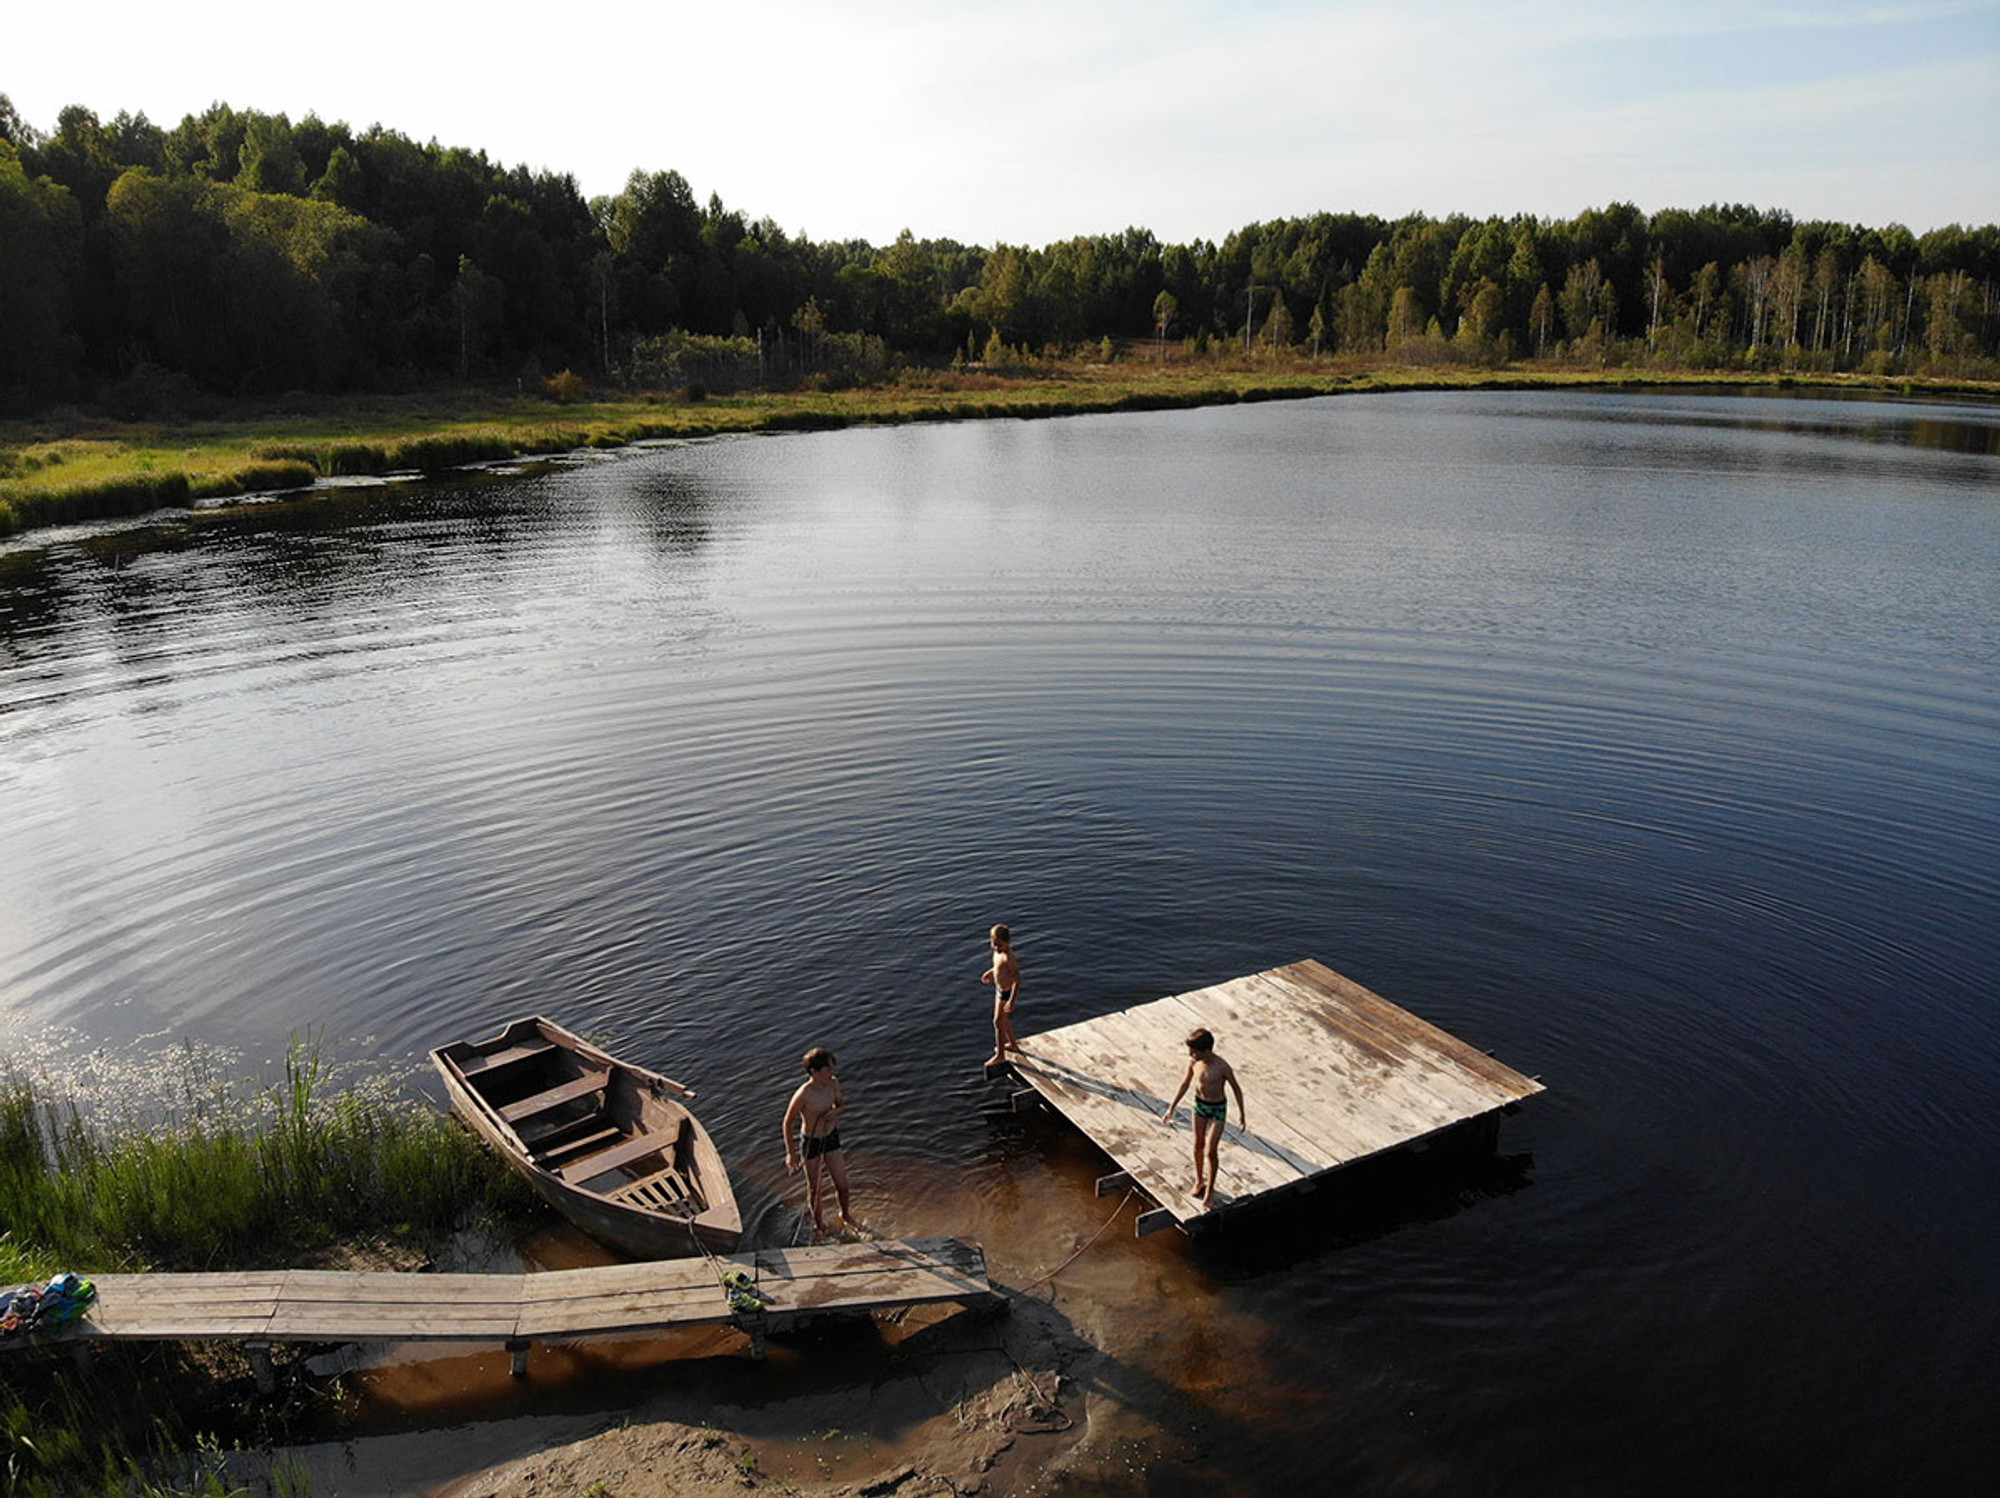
1332	1074
260	1307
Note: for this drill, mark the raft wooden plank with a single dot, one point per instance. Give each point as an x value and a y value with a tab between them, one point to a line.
1105	1046
1332	1072
1280	1156
1342	1098
1317	1125
1364	1001
1143	1153
1430	1092
1353	1076
1258	1162
555	1097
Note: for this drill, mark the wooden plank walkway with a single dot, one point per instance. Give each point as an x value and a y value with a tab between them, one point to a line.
1331	1075
321	1305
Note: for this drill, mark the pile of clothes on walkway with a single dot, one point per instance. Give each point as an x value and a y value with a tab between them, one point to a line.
36	1307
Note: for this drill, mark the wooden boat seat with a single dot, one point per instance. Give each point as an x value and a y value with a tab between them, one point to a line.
481	1062
552	1149
555	1097
623	1154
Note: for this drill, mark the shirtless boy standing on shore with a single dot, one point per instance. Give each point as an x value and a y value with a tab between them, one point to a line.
1005	976
1208	1072
814	1115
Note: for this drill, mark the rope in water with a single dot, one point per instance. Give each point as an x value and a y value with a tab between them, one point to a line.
1130	1196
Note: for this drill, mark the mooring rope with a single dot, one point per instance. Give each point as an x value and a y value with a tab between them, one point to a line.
1130	1196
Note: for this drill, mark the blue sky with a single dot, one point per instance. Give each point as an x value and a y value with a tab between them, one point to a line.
1033	120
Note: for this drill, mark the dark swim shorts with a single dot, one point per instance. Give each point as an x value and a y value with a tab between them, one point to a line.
817	1147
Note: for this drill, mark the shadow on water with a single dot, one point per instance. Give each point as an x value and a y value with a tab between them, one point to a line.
1361	1204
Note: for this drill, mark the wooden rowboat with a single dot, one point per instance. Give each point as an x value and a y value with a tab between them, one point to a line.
609	1144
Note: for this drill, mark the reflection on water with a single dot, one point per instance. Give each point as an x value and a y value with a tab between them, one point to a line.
1645	740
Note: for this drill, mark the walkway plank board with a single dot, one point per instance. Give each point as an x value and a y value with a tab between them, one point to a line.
1332	1074
315	1305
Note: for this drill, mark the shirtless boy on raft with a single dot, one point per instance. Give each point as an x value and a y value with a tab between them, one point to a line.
814	1114
1208	1073
1005	976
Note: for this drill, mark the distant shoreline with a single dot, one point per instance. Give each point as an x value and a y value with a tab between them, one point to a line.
69	467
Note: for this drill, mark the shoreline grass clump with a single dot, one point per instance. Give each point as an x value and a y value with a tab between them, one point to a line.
220	1178
233	1182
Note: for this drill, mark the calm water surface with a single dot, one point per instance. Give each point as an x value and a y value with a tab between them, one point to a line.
1648	741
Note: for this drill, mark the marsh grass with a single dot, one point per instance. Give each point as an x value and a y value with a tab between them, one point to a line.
228	1180
58	1443
53	472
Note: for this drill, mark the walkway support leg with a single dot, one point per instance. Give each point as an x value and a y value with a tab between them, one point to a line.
519	1347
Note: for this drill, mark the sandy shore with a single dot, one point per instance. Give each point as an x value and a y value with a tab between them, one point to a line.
942	1401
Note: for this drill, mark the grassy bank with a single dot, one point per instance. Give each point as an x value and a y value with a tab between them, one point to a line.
230	1181
284	1173
66	469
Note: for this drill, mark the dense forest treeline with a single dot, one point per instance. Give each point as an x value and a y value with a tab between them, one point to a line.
238	253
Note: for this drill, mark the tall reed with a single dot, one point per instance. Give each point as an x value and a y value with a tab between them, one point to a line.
231	1181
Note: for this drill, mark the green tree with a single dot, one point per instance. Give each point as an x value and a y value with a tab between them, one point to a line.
41	233
1542	320
268	160
1278	326
1580	300
79	157
1165	305
14	131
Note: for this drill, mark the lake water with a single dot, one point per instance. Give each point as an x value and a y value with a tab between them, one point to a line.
1650	741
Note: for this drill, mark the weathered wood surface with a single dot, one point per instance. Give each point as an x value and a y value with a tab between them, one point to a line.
319	1305
1331	1074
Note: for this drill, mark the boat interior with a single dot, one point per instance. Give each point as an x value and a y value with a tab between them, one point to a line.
596	1127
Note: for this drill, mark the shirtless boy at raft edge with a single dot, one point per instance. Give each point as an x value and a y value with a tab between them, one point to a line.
1005	976
1208	1072
814	1114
